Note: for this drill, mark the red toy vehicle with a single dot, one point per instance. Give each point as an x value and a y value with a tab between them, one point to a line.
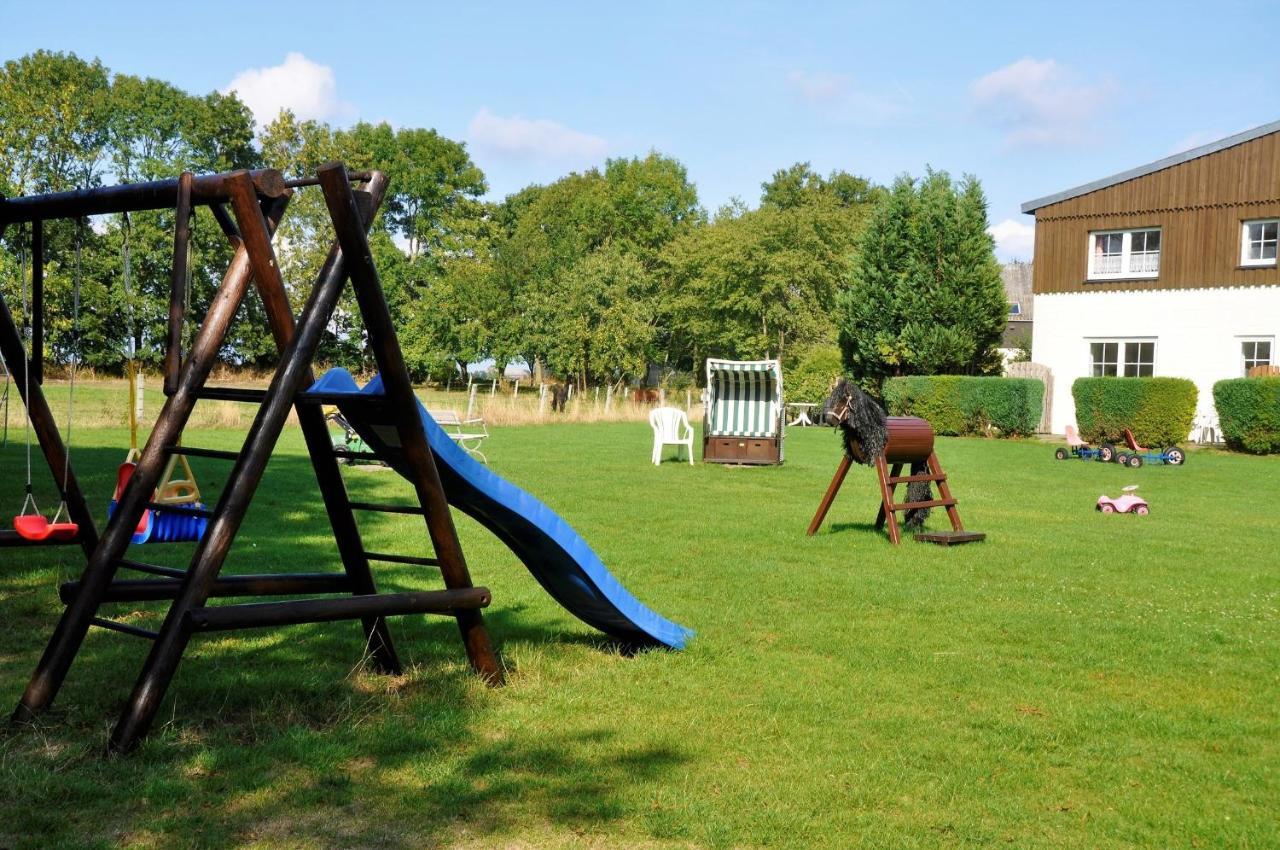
1137	455
1129	503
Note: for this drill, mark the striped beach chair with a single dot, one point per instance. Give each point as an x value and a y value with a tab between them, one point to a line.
744	421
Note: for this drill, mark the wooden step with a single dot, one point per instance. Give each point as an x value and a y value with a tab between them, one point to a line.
191	451
9	537
950	538
402	559
373	507
908	479
263	614
931	503
150	569
244	394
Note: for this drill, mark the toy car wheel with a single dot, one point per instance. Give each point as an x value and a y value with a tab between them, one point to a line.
1060	454
1107	508
1142	510
1174	456
1122	458
1107	453
1135	461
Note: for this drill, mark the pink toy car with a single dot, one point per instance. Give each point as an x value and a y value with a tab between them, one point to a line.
1129	503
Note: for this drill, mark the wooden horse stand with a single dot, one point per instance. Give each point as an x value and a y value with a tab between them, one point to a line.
910	443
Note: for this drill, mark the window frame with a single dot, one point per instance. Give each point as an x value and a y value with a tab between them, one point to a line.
1245	262
1126	254
1122	360
1242	341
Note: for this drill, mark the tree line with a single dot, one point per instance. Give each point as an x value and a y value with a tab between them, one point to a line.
599	276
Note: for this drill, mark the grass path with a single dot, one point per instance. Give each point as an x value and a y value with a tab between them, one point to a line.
1077	681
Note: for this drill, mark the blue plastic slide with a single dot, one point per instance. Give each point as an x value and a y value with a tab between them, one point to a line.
558	557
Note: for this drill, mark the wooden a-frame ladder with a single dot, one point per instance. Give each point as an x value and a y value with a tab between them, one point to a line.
256	214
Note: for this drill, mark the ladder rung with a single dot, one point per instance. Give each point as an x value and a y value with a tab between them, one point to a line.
346	399
150	569
191	451
932	503
123	628
180	509
232	394
386	509
909	479
258	614
402	559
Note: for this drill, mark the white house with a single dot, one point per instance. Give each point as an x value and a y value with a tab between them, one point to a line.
1166	269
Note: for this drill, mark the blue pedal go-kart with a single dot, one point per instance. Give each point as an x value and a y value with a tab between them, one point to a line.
1078	448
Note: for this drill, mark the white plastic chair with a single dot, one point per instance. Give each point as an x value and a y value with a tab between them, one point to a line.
670	428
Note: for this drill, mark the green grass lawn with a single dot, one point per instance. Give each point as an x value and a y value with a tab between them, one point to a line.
1078	680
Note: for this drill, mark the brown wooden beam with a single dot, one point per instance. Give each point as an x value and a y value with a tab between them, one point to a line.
264	614
178	283
131	197
279	584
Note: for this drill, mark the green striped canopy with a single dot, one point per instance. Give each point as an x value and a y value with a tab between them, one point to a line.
744	398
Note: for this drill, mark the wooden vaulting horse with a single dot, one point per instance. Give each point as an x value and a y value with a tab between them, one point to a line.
874	439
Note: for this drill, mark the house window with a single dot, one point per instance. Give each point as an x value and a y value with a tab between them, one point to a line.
1258	242
1124	254
1256	352
1015	309
1134	358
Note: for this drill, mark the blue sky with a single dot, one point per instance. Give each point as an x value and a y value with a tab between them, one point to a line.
1030	97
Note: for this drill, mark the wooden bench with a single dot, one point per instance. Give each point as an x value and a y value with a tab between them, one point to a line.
468	433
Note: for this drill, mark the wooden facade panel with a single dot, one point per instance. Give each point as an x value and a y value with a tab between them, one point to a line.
1199	206
1245	174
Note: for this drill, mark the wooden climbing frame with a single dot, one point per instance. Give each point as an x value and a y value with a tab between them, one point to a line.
248	206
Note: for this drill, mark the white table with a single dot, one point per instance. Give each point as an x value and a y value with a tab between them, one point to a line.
801	410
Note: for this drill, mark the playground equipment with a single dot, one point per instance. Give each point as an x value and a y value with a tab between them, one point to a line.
744	412
873	439
1137	455
1129	503
386	414
1078	448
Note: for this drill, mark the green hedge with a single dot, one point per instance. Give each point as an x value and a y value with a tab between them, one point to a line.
1249	413
1159	411
959	404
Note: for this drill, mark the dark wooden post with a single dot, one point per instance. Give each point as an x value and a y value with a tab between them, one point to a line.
178	283
830	496
385	345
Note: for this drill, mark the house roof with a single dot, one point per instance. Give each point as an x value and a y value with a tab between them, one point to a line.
1152	167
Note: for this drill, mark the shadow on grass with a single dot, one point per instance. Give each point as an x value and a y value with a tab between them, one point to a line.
271	733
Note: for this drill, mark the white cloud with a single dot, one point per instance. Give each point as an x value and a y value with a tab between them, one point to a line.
1015	240
306	87
1039	102
539	139
837	99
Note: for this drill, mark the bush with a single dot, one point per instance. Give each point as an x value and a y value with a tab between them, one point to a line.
813	376
959	404
1249	413
1159	411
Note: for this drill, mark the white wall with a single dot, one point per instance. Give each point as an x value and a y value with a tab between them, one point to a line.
1197	334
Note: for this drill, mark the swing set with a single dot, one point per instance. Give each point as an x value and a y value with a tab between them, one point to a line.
156	480
31	527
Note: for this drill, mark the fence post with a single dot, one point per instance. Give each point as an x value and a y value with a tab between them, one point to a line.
688	400
515	393
542	400
608	398
471	400
494	389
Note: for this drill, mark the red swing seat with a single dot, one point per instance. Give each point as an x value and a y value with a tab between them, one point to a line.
38	529
123	474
